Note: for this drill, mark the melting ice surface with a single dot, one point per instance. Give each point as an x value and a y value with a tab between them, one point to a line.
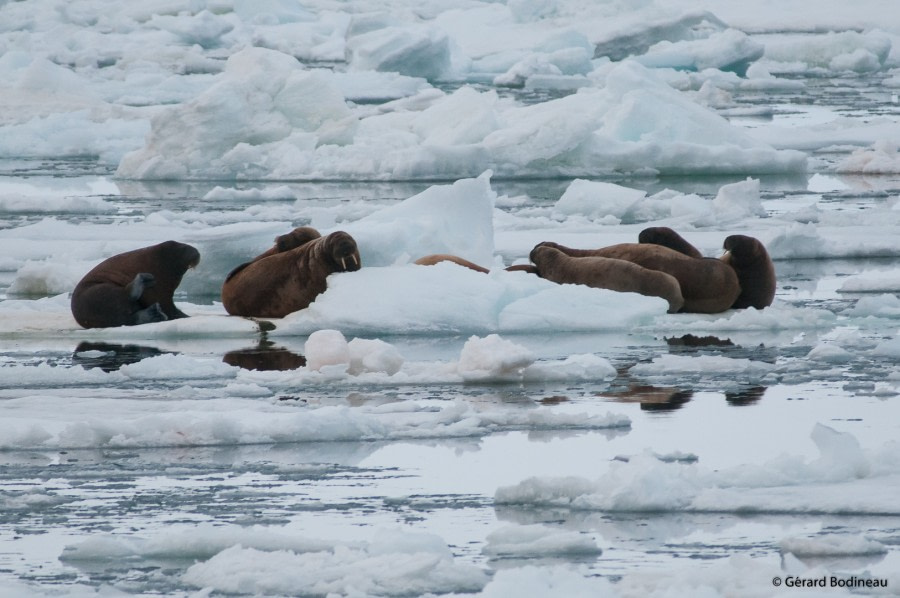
435	430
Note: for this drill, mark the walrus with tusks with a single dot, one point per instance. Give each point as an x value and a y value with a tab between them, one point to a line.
747	255
754	268
606	273
135	287
708	285
290	275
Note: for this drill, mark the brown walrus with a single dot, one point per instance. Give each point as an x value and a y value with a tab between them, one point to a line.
706	286
665	236
134	287
606	273
755	271
290	275
437	258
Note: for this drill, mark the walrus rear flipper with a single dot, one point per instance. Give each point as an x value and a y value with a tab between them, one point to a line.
154	313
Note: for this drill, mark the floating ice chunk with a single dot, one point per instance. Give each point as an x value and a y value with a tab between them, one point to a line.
192	543
829	353
729	50
522	541
573	367
526	11
597	199
781	485
832	545
860	61
797	242
832	50
879	306
204	28
373	355
882	158
417	51
533	64
455	219
889	348
620	42
171	366
492	358
667	365
263	97
395	563
738	201
44	279
327	349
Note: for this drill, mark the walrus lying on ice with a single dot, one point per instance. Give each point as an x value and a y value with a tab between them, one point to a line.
290	275
743	277
135	287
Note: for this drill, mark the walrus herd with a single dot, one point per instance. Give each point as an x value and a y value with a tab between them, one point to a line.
137	287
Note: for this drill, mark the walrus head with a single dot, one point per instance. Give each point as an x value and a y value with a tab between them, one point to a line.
179	254
754	269
297	237
342	251
741	250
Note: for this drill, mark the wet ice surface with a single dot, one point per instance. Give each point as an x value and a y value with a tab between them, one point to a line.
173	519
643	454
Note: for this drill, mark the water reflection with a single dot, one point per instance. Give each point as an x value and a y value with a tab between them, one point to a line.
265	357
651	398
109	357
745	396
690	340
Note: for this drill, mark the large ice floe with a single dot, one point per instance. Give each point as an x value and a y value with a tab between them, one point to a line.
270	118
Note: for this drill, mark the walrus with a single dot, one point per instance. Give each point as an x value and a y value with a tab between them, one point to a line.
606	273
134	287
437	258
754	269
665	236
290	275
708	285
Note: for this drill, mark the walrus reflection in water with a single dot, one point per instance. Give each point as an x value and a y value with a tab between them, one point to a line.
290	275
135	287
265	357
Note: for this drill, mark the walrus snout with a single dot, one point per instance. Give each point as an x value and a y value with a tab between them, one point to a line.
344	251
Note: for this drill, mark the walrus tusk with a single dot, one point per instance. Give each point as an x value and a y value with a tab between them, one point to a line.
355	261
344	263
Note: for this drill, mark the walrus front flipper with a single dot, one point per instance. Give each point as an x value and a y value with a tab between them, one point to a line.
148	315
141	282
607	273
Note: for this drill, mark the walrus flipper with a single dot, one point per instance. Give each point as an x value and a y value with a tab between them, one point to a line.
148	315
141	282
